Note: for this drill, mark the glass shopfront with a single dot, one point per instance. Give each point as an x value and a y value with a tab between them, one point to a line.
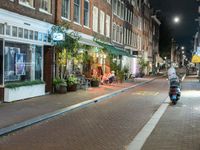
22	62
1	61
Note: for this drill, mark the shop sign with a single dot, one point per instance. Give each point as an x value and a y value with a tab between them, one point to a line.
58	37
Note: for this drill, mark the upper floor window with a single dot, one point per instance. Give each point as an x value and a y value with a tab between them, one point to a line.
45	5
95	19
114	5
27	2
102	19
86	12
77	11
107	25
66	8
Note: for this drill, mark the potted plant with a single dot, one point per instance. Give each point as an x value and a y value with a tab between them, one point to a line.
60	85
120	76
95	81
72	82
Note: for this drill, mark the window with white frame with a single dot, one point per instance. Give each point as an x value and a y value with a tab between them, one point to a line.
118	35
118	7
86	13
121	35
95	19
45	5
107	25
27	2
114	32
77	8
102	18
115	5
122	10
8	30
14	31
66	9
1	28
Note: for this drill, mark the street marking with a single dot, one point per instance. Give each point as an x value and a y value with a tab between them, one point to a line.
146	93
142	136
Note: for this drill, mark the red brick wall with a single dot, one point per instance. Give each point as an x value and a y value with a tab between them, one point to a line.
48	68
33	13
1	94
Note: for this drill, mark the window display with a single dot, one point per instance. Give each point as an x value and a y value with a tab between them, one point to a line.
1	61
22	62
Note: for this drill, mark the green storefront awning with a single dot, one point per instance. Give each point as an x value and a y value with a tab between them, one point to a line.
114	50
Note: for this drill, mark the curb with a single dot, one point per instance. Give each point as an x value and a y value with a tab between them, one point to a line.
29	122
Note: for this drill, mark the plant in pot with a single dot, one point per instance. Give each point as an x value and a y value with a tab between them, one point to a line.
95	81
72	82
120	76
60	85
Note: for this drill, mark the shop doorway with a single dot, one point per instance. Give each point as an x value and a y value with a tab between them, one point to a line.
48	68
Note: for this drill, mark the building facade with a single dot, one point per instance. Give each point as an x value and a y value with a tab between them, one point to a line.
25	46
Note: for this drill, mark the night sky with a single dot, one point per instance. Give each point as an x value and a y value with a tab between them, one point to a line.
188	11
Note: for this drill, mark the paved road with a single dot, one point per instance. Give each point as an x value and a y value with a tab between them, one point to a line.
108	125
179	128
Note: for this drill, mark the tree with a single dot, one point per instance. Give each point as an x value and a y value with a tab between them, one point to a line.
66	48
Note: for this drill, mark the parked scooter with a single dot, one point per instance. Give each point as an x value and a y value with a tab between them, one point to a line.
174	90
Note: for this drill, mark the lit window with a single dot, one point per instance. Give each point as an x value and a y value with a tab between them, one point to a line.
45	5
86	12
66	8
27	2
77	11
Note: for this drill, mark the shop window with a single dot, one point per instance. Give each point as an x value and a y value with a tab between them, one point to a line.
45	37
36	36
31	35
14	31
20	32
38	63
8	30
25	33
18	62
1	61
45	5
40	36
1	28
27	2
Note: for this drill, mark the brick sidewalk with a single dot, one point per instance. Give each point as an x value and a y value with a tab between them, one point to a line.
179	128
11	113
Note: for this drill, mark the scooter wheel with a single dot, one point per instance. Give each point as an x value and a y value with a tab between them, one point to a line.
174	102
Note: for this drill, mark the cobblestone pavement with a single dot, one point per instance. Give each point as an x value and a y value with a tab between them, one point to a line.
11	113
108	125
179	128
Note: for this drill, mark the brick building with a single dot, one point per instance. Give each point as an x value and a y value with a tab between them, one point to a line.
25	50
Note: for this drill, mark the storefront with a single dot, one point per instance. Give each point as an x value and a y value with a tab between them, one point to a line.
22	44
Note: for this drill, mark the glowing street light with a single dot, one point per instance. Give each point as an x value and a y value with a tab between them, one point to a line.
176	19
182	47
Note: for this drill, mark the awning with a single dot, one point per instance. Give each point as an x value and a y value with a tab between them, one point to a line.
114	50
89	42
